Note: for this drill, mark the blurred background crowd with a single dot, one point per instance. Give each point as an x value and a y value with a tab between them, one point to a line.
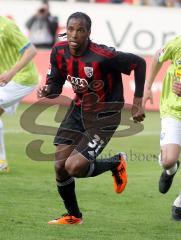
163	3
43	26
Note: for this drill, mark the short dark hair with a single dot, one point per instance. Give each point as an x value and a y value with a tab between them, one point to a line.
81	15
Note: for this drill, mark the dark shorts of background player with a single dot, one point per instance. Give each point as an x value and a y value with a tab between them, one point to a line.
88	131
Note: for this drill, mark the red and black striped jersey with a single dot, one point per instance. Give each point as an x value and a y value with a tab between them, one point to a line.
97	70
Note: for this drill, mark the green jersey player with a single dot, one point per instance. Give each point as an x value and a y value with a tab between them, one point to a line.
170	111
18	76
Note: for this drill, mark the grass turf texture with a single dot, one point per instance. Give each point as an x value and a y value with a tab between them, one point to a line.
28	197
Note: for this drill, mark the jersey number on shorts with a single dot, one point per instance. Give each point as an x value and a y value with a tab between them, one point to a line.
95	144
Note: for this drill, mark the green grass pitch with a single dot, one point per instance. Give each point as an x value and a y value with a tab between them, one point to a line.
28	196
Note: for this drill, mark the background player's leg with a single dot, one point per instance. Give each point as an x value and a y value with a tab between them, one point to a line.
169	161
169	157
170	142
176	209
10	95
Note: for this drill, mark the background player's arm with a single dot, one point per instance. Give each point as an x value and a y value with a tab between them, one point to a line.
176	88
154	69
27	56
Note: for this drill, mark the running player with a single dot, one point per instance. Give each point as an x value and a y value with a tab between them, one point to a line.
18	76
170	111
95	74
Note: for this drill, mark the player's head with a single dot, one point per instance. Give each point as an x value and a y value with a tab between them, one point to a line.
78	31
81	15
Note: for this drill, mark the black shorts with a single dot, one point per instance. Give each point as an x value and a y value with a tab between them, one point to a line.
89	132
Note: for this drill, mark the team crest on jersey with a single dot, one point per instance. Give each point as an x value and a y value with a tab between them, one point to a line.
88	71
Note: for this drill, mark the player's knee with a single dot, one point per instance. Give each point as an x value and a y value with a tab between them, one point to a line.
74	168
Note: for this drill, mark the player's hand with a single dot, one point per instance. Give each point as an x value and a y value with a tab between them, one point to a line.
5	78
43	91
137	110
148	95
176	88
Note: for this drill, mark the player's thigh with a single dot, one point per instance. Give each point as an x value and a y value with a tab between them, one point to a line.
68	135
93	142
11	94
99	129
89	147
77	164
170	140
71	128
170	131
63	151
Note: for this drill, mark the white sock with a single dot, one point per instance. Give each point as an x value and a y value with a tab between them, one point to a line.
172	170
2	146
177	202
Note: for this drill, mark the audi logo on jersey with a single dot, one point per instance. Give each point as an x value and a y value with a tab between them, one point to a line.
78	84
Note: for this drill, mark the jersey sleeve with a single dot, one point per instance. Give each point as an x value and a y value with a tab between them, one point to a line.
123	62
127	62
15	37
54	78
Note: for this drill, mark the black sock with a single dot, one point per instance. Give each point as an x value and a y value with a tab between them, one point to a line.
66	190
100	166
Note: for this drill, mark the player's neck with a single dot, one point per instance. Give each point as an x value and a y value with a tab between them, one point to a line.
79	52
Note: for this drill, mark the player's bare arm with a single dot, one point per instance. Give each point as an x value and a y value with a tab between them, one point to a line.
27	56
5	78
137	110
155	68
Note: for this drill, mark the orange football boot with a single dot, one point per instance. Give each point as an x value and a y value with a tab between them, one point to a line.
119	174
66	219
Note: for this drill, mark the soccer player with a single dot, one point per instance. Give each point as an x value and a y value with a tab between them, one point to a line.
170	111
95	74
18	76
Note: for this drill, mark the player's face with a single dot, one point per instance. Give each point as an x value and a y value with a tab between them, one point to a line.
77	35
